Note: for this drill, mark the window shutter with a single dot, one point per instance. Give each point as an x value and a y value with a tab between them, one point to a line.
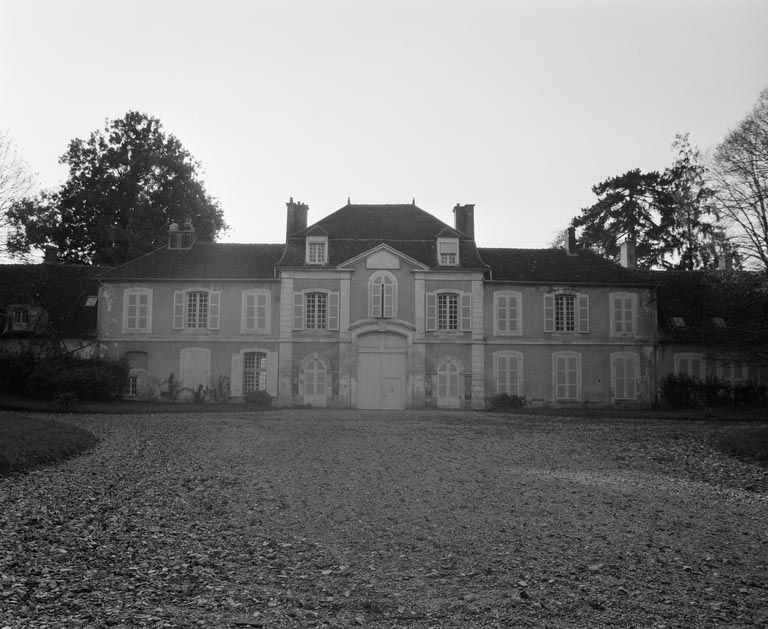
333	311
374	300
583	305
629	316
178	310
431	312
298	311
549	313
214	308
466	312
236	376
389	300
249	313
260	312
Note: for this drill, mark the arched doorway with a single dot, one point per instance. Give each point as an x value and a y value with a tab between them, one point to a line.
381	370
448	383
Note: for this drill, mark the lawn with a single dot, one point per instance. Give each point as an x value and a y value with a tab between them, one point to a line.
415	519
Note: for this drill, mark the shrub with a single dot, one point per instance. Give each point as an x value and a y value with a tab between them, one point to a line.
681	391
220	391
82	379
259	399
15	368
504	400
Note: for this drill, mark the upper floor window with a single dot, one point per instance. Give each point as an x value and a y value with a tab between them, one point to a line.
566	375
316	310
255	315
690	365
317	249
196	309
19	319
449	310
382	295
623	308
507	313
448	251
137	314
566	312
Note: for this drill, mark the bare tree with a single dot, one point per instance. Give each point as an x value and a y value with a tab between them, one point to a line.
16	181
739	175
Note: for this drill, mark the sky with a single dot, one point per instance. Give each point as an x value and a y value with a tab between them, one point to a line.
519	107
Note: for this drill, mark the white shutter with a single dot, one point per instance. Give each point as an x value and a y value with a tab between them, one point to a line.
249	312
583	307
374	300
214	308
500	312
298	311
333	311
466	312
549	313
389	300
431	312
178	310
260	312
236	376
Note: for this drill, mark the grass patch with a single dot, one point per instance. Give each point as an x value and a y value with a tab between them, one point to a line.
749	443
27	442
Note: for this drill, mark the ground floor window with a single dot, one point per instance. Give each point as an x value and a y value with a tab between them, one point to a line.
566	375
625	368
132	386
448	384
691	365
509	373
254	372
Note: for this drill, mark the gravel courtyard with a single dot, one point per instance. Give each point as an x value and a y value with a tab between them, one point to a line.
375	519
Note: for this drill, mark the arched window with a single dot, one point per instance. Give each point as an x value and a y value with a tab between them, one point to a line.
315	372
382	296
449	383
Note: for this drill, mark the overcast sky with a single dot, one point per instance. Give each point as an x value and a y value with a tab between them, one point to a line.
518	107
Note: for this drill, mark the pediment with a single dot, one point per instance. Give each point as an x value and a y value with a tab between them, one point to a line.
383	257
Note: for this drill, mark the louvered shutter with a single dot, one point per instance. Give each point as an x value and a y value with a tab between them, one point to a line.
333	311
298	311
583	305
431	312
178	310
389	299
466	312
549	313
214	309
374	300
261	301
249	312
236	376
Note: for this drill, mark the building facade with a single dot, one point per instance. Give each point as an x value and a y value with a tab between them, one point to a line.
382	307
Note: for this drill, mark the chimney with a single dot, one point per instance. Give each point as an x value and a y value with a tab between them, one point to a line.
627	256
464	219
296	218
51	255
571	241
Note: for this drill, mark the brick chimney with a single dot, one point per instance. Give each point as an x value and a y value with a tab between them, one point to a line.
296	218
51	254
464	219
570	243
627	255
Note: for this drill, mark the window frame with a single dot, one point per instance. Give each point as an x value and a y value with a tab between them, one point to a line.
431	311
259	371
580	309
687	357
137	292
613	312
256	293
635	358
497	372
447	243
508	295
578	376
181	309
382	306
311	243
22	324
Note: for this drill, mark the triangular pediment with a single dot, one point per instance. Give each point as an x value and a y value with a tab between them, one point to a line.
383	257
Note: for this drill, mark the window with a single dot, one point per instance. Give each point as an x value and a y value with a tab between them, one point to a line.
678	322
315	381
382	295
625	373
566	375
448	251
196	309
732	372
137	316
509	373
622	313
19	319
448	384
316	310
91	301
254	372
506	313
132	386
690	365
718	322
255	316
317	249
566	312
448	311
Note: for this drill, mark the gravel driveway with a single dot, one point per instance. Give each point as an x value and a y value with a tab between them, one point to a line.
412	519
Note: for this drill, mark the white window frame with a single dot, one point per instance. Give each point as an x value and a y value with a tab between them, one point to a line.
502	327
317	244
623	327
181	309
431	311
448	365
300	310
380	304
568	384
580	309
688	357
250	316
128	294
315	398
259	371
507	384
728	371
448	247
20	324
634	388
132	385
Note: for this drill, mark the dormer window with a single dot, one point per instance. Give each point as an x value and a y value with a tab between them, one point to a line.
181	237
448	251
719	322
678	322
19	319
317	249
